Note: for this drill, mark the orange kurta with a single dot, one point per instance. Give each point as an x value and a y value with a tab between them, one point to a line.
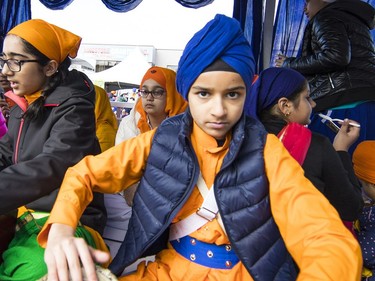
313	233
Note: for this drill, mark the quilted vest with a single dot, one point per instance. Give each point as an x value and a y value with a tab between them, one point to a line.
171	173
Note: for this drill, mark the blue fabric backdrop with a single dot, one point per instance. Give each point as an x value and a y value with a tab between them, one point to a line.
287	35
289	28
14	12
122	5
249	14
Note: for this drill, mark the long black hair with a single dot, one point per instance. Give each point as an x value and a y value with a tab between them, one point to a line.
35	110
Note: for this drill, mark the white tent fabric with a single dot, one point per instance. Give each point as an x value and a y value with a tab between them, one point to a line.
130	70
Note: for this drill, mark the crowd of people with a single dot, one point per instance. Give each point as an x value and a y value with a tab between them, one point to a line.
213	175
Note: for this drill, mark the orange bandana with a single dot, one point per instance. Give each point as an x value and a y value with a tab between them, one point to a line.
52	41
31	98
175	103
155	73
364	161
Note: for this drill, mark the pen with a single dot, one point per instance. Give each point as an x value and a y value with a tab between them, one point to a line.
338	120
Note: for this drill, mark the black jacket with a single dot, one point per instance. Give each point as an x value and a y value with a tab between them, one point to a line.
331	172
34	155
338	56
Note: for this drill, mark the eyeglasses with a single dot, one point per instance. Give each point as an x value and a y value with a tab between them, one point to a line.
154	93
14	65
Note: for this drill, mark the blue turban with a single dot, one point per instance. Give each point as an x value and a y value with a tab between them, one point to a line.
272	84
221	38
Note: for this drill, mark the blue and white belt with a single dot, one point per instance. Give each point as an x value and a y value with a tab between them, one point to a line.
206	254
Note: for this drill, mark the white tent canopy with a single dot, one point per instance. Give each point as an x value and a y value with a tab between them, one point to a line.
130	70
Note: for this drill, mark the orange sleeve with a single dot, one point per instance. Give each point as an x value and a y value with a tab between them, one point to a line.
315	236
109	172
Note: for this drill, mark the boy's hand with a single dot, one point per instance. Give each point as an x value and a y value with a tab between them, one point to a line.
65	255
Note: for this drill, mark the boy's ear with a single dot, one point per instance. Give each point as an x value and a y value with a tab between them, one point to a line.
51	68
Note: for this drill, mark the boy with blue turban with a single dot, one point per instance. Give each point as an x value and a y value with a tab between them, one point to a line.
219	198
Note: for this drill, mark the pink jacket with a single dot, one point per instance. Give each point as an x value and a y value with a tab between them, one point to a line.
3	125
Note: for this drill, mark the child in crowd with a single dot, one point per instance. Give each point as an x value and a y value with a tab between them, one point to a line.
158	101
50	128
280	99
364	167
219	198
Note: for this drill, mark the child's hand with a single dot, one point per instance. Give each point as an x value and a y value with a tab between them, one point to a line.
346	136
65	255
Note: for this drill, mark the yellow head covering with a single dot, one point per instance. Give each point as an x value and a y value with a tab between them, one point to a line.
52	41
364	161
175	103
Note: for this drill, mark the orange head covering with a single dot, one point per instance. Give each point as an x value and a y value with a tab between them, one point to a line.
52	41
364	161
175	103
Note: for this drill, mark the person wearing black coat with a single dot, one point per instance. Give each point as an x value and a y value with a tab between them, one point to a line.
338	60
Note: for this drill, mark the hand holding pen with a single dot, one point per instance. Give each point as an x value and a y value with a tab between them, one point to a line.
347	135
340	121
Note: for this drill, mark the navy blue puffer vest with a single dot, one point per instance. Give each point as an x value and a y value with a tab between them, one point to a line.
241	191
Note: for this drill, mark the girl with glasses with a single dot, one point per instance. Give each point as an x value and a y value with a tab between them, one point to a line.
51	127
159	100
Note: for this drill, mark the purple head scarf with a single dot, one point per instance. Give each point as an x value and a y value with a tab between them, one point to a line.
273	83
221	38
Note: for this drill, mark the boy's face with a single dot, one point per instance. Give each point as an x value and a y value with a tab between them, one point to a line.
216	101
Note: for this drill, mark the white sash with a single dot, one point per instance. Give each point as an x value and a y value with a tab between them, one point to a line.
208	211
